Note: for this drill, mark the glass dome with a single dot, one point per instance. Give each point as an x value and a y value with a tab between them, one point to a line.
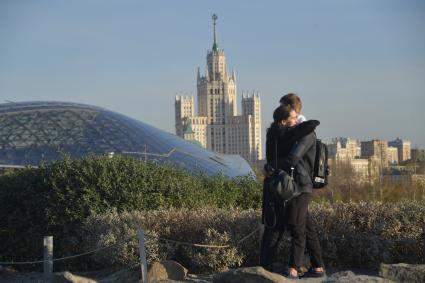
31	132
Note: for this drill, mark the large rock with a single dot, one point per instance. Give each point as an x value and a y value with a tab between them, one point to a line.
68	277
348	276
403	272
132	275
7	270
166	270
254	274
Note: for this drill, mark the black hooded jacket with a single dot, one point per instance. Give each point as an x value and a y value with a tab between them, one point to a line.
294	147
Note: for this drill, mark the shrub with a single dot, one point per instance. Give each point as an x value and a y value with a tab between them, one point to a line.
217	259
352	235
120	232
55	199
62	199
210	226
365	234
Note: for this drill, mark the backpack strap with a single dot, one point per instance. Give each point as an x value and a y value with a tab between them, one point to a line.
275	153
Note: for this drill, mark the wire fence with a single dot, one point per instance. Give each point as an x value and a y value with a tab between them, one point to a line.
196	245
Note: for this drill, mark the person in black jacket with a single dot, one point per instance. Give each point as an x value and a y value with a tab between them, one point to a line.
289	145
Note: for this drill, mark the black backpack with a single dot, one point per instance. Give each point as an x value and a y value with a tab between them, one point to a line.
321	168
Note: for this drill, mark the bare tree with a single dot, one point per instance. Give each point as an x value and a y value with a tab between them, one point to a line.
342	176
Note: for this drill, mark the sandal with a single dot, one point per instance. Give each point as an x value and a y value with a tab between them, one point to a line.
293	277
315	274
302	271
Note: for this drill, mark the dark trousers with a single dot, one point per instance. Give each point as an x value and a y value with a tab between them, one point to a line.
269	245
303	233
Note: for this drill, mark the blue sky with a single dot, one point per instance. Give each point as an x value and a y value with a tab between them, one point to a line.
358	65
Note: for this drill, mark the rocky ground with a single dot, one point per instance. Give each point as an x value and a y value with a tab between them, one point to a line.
170	272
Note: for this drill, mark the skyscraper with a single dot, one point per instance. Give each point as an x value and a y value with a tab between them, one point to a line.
218	127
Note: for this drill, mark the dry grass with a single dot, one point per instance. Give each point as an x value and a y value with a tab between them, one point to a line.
352	234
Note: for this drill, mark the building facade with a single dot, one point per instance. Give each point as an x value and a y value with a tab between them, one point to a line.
392	153
374	160
376	149
218	127
358	171
417	154
403	147
344	149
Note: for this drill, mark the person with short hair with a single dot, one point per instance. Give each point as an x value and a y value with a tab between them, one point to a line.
294	101
291	145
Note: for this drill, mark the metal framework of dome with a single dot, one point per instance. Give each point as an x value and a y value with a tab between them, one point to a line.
32	132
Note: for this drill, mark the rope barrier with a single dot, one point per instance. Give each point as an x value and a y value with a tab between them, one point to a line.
192	244
90	252
407	241
204	245
66	257
125	240
162	239
20	262
247	236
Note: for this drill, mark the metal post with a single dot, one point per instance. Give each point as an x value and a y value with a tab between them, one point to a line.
423	238
142	252
48	258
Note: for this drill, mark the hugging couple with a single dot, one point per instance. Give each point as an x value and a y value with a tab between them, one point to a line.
291	143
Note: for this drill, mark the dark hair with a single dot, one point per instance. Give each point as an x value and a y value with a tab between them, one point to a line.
292	100
280	114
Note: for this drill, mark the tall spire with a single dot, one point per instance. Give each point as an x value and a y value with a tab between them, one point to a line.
215	46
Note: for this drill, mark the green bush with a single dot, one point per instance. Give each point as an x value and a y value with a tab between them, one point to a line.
55	199
71	200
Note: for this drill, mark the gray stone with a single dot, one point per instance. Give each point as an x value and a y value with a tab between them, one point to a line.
8	270
68	277
168	269
348	276
403	272
126	275
7	273
254	274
